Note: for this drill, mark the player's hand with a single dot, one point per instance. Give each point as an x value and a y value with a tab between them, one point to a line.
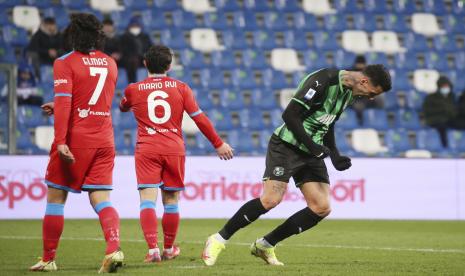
341	163
320	151
65	154
225	152
48	108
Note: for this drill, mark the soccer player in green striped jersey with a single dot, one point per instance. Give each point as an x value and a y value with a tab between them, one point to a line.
297	149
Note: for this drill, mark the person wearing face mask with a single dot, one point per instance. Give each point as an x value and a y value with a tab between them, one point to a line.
134	44
439	108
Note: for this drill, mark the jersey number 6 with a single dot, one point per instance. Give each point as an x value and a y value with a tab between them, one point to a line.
152	103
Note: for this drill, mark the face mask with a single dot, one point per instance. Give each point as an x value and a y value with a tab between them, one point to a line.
135	30
444	90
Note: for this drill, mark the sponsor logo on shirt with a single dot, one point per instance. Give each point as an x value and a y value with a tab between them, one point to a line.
60	81
84	113
310	93
153	131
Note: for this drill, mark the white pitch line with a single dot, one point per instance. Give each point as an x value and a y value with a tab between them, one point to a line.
427	250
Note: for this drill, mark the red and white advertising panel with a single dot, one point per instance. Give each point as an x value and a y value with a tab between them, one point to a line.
371	189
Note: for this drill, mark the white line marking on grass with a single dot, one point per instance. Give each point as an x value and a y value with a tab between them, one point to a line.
425	250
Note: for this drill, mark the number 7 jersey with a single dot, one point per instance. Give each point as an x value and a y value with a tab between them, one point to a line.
89	80
158	104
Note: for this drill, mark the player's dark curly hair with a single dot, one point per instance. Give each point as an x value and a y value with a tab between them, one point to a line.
84	33
158	59
379	75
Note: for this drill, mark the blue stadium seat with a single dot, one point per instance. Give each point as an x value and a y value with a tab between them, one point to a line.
46	73
343	144
414	99
24	143
254	59
153	19
445	43
41	4
257	5
122	144
264	99
453	23
436	61
407	119
314	59
347	120
234	40
304	21
414	42
251	119
211	80
401	78
75	4
395	22
274	79
456	139
242	142
174	38
181	75
347	6
215	20
30	116
233	99
276	118
405	61
184	20
397	140
141	74
391	100
366	23
375	118
343	59
166	5
227	5
223	59
245	21
8	3
121	18
275	21
429	139
59	13
204	99
136	5
373	6
243	79
221	119
127	120
335	23
404	6
192	59
122	81
376	58
15	36
264	40
7	53
3	115
296	39
436	7
287	5
325	41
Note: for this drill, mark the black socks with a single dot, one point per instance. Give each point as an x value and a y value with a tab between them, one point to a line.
247	214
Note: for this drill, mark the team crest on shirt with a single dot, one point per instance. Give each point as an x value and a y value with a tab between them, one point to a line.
310	93
83	113
278	171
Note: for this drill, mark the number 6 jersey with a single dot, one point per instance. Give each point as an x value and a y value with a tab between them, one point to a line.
158	103
84	86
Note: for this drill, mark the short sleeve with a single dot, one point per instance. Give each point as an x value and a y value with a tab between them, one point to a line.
62	79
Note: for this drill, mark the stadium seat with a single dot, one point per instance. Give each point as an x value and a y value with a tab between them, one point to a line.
445	43
335	23
242	142
436	61
414	100
122	81
418	153
254	59
234	40
375	118
405	7
274	79
59	13
188	125
355	41
26	17
243	79
264	40
192	59
436	7
286	60
245	21
30	116
367	141
397	140
257	5
15	36
41	4
376	58
347	120
141	74
414	42
425	80
234	99
407	119
275	22
75	4
44	136
3	115
343	59
395	22
318	7
402	82
175	39
387	42
296	40
223	60
227	5
304	22
453	23
342	143
429	140
406	61
197	6
347	6
7	54
184	20
373	6
365	23
211	80
136	5
127	120
264	99
426	24
205	40
287	5
221	119
251	119
166	5
456	139
325	41
216	20
285	96
107	6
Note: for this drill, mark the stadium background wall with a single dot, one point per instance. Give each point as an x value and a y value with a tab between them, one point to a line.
371	189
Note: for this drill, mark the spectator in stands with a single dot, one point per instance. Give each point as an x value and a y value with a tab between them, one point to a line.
46	44
439	108
26	86
459	121
361	104
136	43
112	41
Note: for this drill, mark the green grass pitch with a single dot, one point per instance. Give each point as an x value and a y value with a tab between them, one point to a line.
335	247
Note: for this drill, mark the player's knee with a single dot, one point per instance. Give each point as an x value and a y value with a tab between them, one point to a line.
269	202
322	209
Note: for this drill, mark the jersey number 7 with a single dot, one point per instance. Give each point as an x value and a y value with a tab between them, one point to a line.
102	72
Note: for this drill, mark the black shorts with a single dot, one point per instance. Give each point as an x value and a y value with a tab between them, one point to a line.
284	161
